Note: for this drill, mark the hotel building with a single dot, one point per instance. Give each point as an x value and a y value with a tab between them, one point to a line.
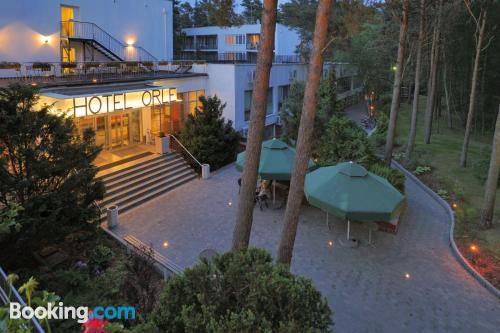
109	65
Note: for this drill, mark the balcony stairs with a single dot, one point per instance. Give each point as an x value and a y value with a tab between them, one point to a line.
139	179
91	34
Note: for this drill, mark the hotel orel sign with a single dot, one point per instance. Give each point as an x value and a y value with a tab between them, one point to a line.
93	105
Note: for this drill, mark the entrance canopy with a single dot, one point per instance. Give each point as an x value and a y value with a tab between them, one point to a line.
96	100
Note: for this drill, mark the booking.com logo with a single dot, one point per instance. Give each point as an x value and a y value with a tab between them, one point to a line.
82	313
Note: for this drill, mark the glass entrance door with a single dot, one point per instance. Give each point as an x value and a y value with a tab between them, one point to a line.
119	130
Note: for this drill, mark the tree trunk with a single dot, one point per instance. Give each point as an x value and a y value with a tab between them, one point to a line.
403	29
305	135
446	94
472	98
431	87
241	235
491	183
416	92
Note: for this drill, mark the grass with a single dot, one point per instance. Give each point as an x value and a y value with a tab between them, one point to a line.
442	155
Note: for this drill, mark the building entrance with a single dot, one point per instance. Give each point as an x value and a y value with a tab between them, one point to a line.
115	130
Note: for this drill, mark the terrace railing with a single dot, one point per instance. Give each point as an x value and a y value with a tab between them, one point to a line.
92	72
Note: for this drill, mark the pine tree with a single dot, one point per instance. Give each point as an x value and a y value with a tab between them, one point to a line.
252	11
208	136
45	167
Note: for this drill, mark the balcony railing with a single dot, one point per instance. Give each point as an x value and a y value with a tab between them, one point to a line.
237	57
91	72
206	45
91	31
253	46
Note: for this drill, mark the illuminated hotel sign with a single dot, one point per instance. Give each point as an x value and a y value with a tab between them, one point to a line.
119	101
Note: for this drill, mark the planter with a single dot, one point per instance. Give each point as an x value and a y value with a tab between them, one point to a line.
162	144
43	66
10	65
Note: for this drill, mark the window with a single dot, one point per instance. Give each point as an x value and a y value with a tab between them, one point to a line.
282	95
248	103
235	39
343	84
240	39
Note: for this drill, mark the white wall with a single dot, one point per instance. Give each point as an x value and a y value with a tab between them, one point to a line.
24	22
230	81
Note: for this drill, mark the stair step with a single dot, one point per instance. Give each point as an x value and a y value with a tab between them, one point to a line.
149	170
139	186
132	168
144	175
125	160
126	205
153	186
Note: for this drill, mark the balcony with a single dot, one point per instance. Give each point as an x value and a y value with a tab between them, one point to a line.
53	74
253	46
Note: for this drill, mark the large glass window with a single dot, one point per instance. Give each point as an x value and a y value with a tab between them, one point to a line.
248	103
282	95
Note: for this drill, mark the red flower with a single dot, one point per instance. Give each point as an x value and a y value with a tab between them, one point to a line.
94	325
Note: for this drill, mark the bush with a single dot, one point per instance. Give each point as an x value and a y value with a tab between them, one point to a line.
422	170
208	136
344	141
241	291
379	136
393	176
100	257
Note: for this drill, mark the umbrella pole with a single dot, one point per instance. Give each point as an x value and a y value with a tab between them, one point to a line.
348	228
274	192
327	222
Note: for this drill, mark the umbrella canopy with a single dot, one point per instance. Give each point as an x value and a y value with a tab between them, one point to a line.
348	191
276	160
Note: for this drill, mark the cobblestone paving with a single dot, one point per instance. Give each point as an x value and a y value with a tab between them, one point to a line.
366	287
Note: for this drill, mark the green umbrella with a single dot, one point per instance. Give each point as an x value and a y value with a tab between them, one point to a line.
276	161
348	191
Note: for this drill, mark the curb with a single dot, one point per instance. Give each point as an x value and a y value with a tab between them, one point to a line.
460	258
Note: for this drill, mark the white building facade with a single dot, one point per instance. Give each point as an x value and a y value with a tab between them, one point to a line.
85	30
237	43
127	95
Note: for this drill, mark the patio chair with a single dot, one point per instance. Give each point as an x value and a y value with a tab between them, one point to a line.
261	200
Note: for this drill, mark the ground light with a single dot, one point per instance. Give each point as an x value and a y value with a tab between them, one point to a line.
454	205
165	244
407	276
330	243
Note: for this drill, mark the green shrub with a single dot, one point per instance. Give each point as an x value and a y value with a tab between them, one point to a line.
101	257
422	170
208	136
443	194
379	136
344	141
393	176
243	291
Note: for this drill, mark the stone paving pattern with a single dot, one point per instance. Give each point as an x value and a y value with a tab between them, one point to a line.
366	287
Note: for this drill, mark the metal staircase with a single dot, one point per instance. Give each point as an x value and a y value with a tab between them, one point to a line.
91	34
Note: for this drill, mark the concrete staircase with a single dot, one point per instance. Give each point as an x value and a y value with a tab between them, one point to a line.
142	179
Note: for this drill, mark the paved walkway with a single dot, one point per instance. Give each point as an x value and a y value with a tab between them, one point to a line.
366	287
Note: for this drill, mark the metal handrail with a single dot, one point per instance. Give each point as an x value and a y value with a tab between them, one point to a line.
185	149
14	296
91	31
